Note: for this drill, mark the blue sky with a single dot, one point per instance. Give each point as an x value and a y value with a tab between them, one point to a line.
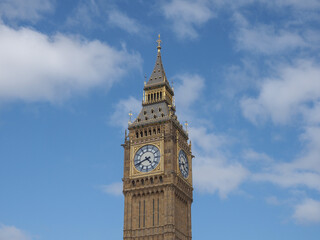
246	78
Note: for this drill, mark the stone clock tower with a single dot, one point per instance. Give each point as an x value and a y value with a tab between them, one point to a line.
157	181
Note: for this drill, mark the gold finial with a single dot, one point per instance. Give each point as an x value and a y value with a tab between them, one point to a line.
159	42
186	123
130	114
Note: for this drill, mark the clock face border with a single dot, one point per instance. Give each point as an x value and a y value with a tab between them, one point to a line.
147	153
184	173
134	173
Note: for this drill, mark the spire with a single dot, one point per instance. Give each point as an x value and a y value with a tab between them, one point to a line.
158	74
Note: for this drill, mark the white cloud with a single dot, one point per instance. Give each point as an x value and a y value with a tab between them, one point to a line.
273	200
303	171
121	20
120	116
298	4
85	14
92	14
12	233
268	40
31	10
112	189
186	16
213	169
279	175
207	141
307	212
296	89
216	175
252	156
274	4
239	78
36	67
189	85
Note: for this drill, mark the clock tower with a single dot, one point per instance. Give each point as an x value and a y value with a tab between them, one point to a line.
157	181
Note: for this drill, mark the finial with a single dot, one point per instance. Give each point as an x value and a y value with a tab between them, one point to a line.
159	42
186	123
130	114
145	79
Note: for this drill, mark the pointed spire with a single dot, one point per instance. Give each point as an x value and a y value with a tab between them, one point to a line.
158	74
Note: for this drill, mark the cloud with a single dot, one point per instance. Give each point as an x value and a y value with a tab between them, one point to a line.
252	156
121	20
85	14
272	4
215	175
308	4
37	67
212	171
189	85
120	116
303	171
31	10
273	200
239	78
92	14
186	16
307	212
268	40
112	189
284	176
12	233
294	91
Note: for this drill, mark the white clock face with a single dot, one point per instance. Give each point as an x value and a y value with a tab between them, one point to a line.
183	164
147	158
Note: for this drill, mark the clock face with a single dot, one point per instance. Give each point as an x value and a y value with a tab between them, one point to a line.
183	164
147	158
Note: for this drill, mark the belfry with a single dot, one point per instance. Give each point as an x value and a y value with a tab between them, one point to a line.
157	177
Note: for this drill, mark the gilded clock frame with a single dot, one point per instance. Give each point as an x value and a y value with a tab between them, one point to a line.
159	169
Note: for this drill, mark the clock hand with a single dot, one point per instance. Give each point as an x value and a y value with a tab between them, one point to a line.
145	159
148	158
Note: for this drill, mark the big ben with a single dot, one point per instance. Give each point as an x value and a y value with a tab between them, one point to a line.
157	181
